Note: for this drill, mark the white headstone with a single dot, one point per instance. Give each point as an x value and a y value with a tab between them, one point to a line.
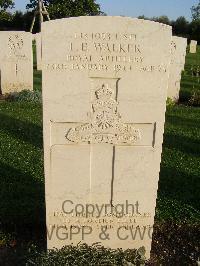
178	53
39	51
16	61
193	47
104	95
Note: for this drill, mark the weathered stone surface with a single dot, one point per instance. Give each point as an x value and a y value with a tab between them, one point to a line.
104	94
16	59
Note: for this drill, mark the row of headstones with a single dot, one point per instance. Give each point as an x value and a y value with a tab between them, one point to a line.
17	62
105	82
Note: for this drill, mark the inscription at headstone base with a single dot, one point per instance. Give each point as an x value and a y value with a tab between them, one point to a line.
16	61
104	98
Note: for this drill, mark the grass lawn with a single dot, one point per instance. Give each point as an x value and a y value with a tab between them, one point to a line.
22	207
179	183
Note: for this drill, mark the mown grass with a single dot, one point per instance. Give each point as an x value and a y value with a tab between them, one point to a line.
21	166
179	183
22	207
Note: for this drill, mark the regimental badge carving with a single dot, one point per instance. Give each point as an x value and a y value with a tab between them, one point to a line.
15	44
106	125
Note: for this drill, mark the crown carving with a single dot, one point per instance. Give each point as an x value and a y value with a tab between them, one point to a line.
104	92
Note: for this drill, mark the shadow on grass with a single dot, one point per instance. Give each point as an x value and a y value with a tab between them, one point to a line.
189	85
189	145
188	123
184	144
179	175
179	185
22	204
25	131
174	244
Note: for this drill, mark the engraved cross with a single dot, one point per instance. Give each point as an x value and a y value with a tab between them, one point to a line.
105	128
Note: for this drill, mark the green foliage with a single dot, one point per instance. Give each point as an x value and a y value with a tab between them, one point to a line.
69	8
181	26
5	4
194	29
25	96
196	12
170	102
34	3
18	19
162	19
5	239
195	24
195	71
4	15
195	99
89	256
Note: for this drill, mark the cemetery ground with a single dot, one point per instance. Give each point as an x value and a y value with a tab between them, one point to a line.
22	202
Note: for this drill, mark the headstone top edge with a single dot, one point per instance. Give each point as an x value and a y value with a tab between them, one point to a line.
144	21
179	38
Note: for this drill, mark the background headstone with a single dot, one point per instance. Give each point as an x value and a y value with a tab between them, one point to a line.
16	61
104	99
178	54
33	37
193	46
39	51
